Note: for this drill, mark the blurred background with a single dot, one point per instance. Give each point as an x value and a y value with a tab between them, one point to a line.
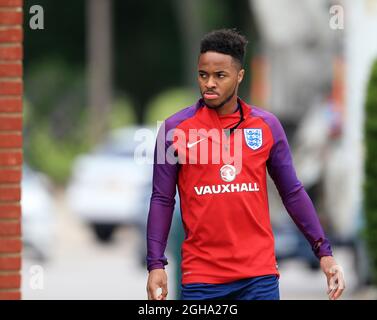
101	70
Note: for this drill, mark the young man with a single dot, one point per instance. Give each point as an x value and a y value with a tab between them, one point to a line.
228	250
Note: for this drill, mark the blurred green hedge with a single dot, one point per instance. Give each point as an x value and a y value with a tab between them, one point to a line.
169	102
370	184
56	118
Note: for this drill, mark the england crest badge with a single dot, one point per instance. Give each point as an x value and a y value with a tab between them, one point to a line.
253	138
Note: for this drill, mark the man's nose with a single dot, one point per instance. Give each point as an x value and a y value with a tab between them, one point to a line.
211	83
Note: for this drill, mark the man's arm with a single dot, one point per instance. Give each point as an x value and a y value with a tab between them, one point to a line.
301	208
160	215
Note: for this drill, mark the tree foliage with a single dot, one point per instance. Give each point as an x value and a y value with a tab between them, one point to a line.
370	198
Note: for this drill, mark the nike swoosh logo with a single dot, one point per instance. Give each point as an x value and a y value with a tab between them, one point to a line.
190	145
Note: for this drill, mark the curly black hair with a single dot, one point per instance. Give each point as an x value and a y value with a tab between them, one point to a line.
226	41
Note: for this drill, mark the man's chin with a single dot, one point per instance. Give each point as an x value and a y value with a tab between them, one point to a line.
210	104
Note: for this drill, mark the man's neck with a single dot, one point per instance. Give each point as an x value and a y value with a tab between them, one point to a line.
229	107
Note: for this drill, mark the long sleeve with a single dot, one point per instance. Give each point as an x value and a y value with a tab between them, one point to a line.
165	178
292	192
162	201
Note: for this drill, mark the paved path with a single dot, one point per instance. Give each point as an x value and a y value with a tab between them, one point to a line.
83	269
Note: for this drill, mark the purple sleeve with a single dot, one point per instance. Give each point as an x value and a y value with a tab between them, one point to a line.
161	204
292	192
165	175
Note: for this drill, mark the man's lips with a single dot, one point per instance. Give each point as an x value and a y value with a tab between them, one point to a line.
210	95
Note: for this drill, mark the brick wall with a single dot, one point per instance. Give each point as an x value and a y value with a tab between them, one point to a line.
11	87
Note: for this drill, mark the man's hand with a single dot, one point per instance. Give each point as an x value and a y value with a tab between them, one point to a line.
157	279
335	277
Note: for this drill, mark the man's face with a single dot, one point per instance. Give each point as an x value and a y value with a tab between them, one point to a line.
219	77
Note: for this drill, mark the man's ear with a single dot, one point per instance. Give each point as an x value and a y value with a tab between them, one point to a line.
241	73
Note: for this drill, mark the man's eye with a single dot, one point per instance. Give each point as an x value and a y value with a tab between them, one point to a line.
202	75
221	75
